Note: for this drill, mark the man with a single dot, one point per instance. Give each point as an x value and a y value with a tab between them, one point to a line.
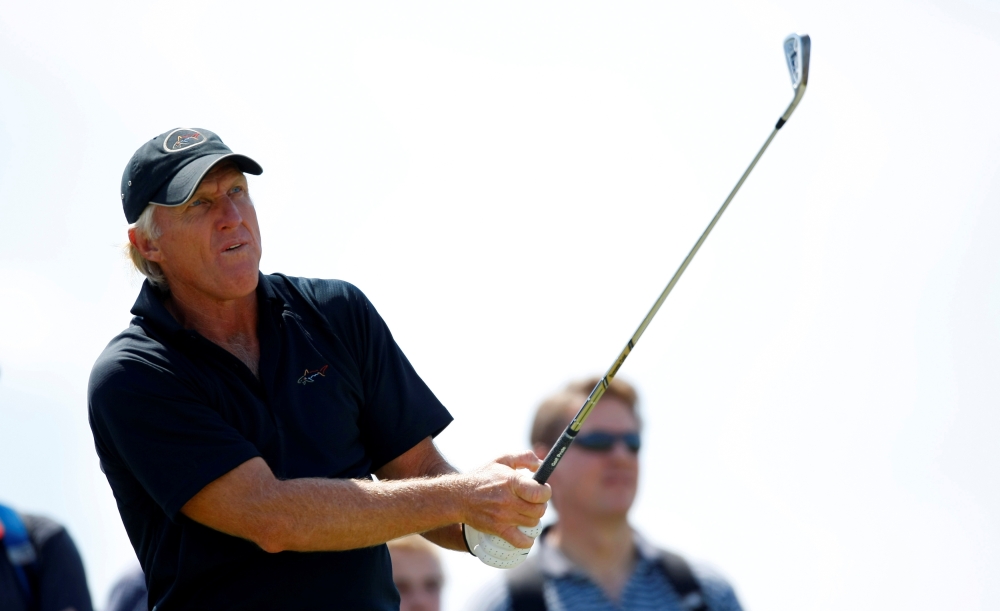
592	558
416	571
40	568
242	419
129	593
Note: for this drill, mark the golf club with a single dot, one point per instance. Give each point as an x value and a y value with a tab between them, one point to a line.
502	554
797	55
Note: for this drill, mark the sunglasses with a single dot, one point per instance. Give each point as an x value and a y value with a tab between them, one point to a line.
602	441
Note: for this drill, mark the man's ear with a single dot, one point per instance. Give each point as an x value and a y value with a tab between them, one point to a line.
147	247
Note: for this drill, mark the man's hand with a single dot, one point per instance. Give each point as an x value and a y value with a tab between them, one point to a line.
505	502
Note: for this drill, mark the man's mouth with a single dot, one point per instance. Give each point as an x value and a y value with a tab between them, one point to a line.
234	247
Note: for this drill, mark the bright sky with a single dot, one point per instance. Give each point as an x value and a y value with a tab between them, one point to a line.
512	184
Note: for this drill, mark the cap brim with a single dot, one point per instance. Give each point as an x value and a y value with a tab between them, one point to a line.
181	187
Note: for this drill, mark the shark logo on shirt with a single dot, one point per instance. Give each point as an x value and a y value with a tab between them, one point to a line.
311	374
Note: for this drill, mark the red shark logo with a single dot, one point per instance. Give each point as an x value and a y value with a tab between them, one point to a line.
186	139
311	374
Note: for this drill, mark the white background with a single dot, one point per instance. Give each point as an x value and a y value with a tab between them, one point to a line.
512	184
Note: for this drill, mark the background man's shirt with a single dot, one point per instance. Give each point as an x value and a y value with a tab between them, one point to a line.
172	412
568	588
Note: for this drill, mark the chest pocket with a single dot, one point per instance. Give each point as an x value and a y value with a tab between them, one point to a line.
317	400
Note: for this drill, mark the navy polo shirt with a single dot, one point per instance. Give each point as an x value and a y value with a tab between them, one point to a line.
172	411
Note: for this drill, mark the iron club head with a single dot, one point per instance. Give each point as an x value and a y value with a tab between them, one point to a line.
797	57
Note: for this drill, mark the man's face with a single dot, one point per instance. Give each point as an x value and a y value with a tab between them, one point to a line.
210	245
596	484
417	575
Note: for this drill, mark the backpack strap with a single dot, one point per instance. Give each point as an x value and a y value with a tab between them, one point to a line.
679	574
526	587
20	551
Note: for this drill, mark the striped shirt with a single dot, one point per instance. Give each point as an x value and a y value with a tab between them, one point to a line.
568	588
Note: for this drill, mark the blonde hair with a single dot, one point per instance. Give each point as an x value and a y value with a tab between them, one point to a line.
413	543
557	411
146	226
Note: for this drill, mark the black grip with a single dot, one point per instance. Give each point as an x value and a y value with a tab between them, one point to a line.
554	456
781	121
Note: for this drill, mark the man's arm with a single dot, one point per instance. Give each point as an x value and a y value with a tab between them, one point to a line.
424	460
316	514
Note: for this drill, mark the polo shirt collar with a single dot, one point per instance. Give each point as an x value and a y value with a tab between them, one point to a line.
149	305
555	564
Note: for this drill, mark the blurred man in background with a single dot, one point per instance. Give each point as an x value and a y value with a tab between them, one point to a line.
592	558
416	571
129	593
40	568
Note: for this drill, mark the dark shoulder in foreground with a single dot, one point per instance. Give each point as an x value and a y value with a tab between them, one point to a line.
135	356
337	305
317	292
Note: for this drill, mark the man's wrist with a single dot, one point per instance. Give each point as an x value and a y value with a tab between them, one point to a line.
453	503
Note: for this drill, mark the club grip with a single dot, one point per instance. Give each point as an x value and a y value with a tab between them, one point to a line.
554	456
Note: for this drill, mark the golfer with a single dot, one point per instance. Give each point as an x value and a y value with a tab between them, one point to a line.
241	417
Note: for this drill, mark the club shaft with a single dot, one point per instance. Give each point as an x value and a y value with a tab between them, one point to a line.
560	447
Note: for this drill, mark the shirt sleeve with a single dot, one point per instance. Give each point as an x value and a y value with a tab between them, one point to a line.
400	410
151	425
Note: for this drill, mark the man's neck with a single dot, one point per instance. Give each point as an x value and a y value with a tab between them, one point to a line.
231	324
603	549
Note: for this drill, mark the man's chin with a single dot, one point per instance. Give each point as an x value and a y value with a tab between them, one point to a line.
243	287
239	280
229	285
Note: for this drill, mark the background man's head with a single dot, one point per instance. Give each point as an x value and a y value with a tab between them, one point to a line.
598	476
416	571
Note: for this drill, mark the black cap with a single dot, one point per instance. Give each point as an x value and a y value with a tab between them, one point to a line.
167	169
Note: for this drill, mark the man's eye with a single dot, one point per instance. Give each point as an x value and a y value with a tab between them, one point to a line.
197	202
236	190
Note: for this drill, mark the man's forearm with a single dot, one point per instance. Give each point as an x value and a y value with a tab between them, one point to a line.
313	514
418	492
368	513
450	536
429	463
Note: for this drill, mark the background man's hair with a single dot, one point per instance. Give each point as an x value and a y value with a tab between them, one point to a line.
557	411
413	543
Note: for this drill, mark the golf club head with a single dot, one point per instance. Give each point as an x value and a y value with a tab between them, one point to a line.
797	57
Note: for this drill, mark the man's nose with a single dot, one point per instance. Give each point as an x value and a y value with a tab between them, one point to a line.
620	451
229	213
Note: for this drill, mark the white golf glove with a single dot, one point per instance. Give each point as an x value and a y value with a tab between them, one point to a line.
493	550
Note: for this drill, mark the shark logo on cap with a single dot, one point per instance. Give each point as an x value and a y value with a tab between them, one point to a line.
181	139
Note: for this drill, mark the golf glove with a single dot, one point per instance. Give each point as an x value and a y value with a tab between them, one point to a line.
493	550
